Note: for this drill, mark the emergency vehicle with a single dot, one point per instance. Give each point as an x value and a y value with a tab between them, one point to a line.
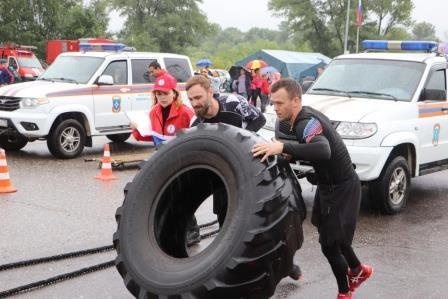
58	46
389	104
81	95
22	60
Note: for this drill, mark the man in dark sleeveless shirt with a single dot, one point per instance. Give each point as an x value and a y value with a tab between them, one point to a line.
338	195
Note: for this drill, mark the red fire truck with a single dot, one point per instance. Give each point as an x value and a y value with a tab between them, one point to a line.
58	46
21	59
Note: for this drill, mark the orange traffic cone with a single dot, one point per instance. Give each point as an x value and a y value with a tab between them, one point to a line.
106	166
5	183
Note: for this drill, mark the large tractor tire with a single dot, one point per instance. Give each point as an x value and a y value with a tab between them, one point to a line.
262	226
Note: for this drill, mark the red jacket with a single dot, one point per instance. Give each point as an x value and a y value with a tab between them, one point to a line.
264	86
179	118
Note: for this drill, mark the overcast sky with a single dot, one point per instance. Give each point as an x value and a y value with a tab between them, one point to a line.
245	14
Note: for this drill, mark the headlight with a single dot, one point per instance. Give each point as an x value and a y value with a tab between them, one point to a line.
32	102
349	130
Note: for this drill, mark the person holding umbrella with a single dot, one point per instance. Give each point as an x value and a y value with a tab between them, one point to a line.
205	64
255	87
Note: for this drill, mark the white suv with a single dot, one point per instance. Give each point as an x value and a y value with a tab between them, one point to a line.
391	110
82	94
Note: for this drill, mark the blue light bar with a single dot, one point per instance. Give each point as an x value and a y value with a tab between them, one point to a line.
385	45
101	47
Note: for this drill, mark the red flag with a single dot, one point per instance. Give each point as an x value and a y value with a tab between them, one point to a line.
359	14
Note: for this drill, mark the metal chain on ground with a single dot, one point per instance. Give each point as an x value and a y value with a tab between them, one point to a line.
55	258
208	223
52	280
207	235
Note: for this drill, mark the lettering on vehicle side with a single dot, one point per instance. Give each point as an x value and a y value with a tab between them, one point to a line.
435	134
116	104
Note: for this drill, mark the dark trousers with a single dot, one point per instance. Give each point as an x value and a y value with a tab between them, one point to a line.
253	95
341	257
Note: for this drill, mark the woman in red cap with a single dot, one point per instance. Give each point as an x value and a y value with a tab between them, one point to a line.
168	113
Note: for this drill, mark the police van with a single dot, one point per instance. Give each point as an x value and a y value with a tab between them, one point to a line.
81	95
389	104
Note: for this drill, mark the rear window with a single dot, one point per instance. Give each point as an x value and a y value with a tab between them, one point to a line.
179	68
140	73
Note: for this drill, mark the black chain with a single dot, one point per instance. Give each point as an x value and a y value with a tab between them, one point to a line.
52	280
55	279
55	258
208	224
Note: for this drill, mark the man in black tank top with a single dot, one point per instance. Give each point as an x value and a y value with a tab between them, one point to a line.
338	195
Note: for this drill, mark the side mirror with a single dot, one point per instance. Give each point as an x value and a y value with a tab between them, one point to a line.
433	95
105	80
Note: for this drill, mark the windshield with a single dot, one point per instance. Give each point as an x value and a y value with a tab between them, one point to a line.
29	62
370	78
72	69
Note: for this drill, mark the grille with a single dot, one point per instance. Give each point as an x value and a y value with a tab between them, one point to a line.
9	103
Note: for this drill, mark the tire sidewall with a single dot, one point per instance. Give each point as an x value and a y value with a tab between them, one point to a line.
382	189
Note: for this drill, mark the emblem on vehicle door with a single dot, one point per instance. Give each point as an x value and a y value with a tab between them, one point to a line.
435	134
116	104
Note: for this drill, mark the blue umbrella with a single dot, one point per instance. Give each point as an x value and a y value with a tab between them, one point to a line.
268	69
204	62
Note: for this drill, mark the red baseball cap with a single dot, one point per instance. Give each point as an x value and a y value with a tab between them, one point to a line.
165	83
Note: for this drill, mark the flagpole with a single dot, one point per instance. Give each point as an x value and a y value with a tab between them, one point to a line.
346	27
358	23
357	38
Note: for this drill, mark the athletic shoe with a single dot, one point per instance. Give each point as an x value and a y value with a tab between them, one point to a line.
355	280
344	296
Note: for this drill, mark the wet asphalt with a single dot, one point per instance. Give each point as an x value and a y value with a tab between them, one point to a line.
60	207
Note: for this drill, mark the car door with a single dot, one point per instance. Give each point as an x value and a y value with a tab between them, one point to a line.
433	120
112	101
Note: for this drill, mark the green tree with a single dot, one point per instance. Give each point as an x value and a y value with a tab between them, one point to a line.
322	22
33	22
225	47
162	25
389	13
319	22
424	31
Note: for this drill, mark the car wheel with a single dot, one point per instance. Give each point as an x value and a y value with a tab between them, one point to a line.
391	191
260	233
119	137
67	139
13	142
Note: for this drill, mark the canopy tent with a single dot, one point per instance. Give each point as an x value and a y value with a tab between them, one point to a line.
296	65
